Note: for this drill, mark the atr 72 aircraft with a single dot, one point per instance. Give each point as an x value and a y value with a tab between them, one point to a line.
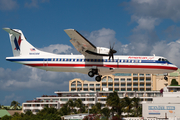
93	61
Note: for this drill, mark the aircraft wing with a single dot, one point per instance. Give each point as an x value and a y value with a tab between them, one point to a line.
79	42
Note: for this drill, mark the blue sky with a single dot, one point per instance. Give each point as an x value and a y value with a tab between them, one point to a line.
138	27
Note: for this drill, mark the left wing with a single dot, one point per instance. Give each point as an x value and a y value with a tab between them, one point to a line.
79	42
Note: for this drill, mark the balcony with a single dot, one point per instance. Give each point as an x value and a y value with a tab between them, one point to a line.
73	86
135	75
141	75
141	80
148	75
135	80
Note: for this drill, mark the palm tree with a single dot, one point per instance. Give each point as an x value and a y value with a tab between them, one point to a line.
128	102
79	104
106	112
136	104
112	101
15	104
71	104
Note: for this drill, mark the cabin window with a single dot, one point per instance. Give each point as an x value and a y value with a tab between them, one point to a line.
56	59
77	60
69	59
81	60
105	60
66	59
74	60
117	60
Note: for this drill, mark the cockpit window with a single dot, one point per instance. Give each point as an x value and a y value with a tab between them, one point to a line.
162	59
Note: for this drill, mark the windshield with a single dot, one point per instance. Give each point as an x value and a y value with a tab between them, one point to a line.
163	59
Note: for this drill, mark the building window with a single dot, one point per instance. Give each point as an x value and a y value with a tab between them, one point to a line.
104	79
116	84
92	89
122	79
110	89
85	85
97	84
122	84
129	79
135	89
91	84
97	89
85	89
116	79
122	89
104	84
110	78
116	89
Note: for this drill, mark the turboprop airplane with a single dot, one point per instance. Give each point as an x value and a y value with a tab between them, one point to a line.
93	61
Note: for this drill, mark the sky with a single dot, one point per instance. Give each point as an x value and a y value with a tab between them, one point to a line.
137	27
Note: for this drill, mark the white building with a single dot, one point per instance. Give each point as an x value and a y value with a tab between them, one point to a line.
89	98
167	106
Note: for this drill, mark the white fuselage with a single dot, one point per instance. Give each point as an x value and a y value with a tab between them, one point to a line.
82	64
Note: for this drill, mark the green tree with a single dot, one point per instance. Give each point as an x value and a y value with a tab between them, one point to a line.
128	102
106	112
79	104
71	104
6	117
15	104
112	101
137	107
174	82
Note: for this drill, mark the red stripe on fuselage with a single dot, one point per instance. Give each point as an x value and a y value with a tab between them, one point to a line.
102	65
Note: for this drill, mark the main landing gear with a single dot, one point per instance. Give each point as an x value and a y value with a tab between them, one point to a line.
95	72
165	76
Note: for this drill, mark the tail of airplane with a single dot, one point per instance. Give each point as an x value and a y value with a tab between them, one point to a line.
20	46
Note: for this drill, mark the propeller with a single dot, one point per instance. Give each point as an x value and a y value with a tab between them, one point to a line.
111	52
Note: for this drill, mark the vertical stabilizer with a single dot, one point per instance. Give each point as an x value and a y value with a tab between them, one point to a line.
20	46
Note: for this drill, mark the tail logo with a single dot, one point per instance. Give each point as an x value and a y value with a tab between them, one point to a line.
17	43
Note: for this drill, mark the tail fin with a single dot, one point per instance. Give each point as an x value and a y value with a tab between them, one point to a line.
20	46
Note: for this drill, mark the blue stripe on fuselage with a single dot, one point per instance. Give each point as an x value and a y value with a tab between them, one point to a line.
50	59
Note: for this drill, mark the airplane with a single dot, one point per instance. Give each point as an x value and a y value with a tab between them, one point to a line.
94	61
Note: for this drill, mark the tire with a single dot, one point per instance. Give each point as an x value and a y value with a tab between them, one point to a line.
91	74
98	78
165	78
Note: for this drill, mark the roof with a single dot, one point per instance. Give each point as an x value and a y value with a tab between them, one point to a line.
175	74
4	112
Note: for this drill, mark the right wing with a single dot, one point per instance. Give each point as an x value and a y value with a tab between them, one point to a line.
80	43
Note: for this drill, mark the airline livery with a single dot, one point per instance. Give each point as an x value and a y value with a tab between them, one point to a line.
94	61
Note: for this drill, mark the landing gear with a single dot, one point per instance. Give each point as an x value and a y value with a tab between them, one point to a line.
98	78
165	78
95	72
91	74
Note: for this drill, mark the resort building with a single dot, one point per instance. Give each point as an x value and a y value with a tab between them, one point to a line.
125	82
116	82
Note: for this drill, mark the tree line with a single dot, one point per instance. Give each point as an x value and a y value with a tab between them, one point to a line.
124	107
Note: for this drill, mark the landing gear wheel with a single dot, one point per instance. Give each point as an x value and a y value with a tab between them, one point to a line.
98	78
91	74
165	78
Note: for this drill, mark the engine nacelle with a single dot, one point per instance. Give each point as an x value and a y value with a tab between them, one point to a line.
102	50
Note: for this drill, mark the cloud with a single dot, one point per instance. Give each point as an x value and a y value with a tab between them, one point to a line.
8	4
35	3
58	48
162	9
169	50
